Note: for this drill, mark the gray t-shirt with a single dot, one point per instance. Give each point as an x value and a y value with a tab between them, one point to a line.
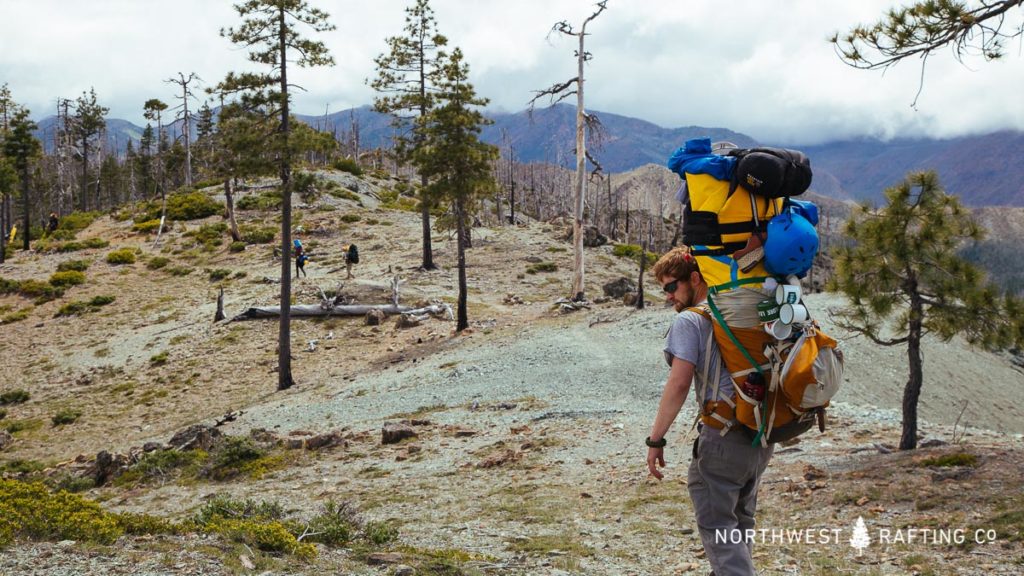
688	340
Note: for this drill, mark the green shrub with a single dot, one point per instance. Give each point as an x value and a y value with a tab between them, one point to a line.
158	359
219	274
144	524
237	246
16	396
15	426
191	206
75	308
121	256
41	291
67	278
254	235
210	234
3	413
61	235
70	483
157	262
344	194
77	221
335	525
19	466
179	271
251	523
15	316
101	300
31	511
379	533
229	458
96	243
147	227
163	465
632	251
348	165
73	265
958	459
266	200
66	416
350	218
542	267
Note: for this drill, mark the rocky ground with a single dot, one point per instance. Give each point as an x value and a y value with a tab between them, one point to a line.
527	456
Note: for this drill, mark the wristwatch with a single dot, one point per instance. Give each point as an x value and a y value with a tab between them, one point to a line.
655	443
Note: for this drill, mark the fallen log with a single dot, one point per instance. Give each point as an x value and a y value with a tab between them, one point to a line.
319	310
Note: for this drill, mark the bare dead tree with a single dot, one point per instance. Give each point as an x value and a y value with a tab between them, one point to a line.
186	118
556	93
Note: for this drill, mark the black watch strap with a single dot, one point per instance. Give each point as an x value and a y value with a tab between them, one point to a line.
659	444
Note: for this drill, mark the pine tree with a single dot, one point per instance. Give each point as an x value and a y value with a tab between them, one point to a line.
268	30
89	123
922	28
405	82
453	157
21	148
904	264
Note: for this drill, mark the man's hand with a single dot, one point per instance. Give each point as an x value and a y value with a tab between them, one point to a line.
655	459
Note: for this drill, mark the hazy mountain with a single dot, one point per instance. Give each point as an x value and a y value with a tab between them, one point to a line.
983	170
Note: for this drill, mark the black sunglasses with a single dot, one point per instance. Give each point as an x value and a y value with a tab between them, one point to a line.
671	286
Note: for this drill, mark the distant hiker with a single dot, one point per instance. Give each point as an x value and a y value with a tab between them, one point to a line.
351	258
51	227
300	264
297	248
725	470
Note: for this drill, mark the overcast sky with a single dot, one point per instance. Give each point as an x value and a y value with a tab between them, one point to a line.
761	67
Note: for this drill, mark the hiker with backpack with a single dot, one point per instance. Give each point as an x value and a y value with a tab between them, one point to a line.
726	466
351	258
300	257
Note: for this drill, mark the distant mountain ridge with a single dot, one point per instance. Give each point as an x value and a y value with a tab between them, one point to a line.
982	170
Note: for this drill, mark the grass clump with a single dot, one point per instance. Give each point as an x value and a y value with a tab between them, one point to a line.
67	278
348	165
542	267
16	396
158	262
121	256
41	291
950	460
66	416
79	307
179	271
219	274
30	510
158	359
73	265
147	227
15	426
15	316
258	235
350	218
237	246
210	235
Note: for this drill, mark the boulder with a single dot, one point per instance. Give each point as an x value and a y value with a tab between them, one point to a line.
592	237
374	318
619	288
393	433
195	437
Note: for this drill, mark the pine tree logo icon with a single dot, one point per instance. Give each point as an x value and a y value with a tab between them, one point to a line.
860	538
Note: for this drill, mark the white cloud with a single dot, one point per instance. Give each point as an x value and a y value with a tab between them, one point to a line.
762	67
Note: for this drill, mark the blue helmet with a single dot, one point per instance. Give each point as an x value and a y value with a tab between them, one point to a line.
791	245
296	243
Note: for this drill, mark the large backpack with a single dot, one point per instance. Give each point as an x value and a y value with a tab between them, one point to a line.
353	254
730	198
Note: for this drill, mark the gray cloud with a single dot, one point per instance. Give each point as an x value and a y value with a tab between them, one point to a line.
759	67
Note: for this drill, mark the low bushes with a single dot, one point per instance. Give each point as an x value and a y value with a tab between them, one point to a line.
121	256
147	227
73	265
542	267
157	262
41	291
66	416
633	251
79	307
30	510
67	278
261	235
16	396
348	165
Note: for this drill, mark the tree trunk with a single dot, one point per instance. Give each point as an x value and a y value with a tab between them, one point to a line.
428	253
320	311
912	392
284	336
3	228
24	196
462	316
85	174
581	183
229	200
